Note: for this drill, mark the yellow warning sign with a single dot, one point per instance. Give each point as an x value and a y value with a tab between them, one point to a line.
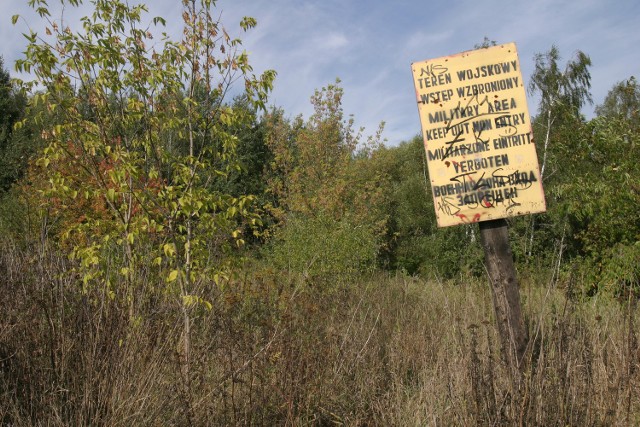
477	135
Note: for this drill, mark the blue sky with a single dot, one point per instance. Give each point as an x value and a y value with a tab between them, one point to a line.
370	45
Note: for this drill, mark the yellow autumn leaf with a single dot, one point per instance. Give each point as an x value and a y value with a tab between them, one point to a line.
172	276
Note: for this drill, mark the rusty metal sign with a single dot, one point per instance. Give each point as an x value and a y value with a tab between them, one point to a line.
477	135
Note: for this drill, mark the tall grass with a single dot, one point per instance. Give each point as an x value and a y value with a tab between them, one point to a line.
283	349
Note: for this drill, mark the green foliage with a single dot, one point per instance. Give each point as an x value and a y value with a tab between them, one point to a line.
601	200
143	151
411	217
7	103
590	176
321	246
623	102
315	163
145	135
252	153
15	146
321	171
414	243
562	94
563	91
568	88
621	271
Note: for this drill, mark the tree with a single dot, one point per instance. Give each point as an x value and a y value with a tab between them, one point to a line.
135	136
623	102
13	151
320	182
563	92
600	199
8	110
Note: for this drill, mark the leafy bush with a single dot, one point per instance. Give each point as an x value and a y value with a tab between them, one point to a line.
321	246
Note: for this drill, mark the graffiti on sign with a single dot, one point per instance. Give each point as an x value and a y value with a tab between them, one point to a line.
477	135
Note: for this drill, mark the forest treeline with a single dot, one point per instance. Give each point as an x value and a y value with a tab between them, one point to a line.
363	202
172	254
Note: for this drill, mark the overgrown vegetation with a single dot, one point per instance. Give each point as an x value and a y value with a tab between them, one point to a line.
280	349
170	256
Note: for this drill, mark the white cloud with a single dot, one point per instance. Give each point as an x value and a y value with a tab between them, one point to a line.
332	41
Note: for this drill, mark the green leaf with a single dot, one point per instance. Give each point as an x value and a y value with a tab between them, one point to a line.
169	250
173	275
248	22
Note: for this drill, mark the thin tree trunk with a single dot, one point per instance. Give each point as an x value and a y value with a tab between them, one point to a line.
542	169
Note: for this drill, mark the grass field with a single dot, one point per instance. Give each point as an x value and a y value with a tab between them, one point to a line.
278	349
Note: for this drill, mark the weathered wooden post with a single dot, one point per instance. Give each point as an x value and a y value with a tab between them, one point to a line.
494	236
482	162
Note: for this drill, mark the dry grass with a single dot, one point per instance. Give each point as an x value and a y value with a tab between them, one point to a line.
285	350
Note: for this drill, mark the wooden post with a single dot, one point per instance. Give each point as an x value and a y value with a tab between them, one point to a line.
494	235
